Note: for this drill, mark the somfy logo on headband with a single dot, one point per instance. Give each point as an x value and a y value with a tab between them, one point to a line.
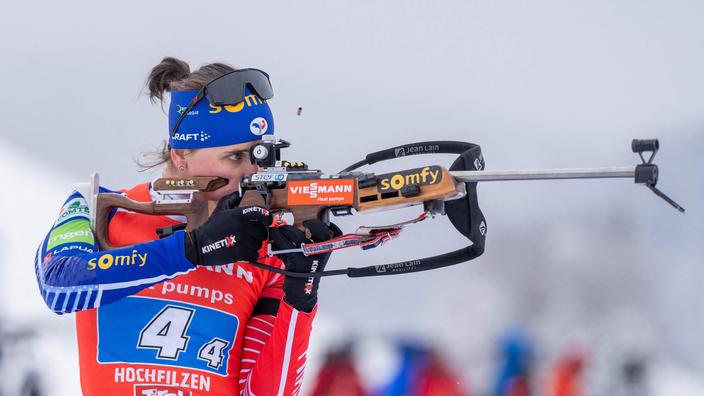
258	126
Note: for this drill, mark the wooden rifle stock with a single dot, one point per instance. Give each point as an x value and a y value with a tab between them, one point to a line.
196	211
369	197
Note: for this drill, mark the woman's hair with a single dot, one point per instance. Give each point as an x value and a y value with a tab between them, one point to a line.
173	74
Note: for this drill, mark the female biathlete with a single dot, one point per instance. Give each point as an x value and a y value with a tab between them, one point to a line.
186	314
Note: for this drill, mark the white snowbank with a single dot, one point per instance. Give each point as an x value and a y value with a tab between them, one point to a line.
33	194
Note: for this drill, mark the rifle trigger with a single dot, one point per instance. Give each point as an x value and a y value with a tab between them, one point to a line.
264	192
167	231
434	207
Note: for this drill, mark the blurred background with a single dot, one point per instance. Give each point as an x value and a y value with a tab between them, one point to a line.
585	288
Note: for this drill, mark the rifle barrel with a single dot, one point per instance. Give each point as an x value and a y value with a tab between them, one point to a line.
545	174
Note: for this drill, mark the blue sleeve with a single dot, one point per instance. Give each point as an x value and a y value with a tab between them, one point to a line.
74	275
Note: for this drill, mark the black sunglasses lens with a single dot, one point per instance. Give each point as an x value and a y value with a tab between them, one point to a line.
262	87
230	88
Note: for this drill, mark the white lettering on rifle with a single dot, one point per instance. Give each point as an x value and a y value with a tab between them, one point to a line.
269	177
314	189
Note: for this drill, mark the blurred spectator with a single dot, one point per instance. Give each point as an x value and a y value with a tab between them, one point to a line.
338	377
514	375
402	382
436	379
567	375
633	378
422	373
19	369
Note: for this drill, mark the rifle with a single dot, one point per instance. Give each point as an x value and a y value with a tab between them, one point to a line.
290	187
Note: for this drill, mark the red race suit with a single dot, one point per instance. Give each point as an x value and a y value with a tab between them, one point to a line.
150	323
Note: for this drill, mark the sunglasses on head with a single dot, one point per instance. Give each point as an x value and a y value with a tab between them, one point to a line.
230	89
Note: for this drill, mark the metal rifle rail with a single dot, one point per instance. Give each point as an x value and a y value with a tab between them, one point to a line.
545	174
649	177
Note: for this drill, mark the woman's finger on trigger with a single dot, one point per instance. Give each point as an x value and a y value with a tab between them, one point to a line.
318	230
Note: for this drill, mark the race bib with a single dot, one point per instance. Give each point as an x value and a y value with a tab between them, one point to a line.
147	330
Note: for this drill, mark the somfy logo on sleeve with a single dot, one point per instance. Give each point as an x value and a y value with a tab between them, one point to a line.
107	260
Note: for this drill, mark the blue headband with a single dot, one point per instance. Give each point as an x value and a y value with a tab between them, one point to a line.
208	125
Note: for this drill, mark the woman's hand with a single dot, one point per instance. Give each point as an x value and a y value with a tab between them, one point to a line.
229	235
302	293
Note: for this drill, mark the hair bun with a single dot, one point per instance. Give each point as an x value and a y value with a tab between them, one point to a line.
162	75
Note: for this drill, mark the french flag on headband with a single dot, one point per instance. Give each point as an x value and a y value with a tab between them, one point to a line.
208	125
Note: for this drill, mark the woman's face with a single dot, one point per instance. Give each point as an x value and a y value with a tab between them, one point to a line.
231	162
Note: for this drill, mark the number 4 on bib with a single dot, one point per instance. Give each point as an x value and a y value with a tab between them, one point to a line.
167	332
212	352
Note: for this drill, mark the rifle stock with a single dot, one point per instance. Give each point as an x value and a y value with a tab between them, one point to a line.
404	188
196	211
